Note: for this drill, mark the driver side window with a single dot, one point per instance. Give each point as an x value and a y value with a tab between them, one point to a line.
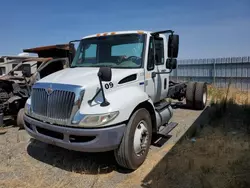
150	65
159	51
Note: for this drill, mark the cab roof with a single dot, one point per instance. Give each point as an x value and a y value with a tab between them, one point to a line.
117	33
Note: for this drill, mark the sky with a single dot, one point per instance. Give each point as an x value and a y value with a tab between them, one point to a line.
207	28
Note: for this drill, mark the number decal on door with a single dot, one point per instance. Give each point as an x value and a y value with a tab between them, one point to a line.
109	85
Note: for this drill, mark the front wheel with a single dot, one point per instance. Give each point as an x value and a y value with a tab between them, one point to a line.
136	141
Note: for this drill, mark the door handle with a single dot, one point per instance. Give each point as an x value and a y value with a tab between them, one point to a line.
164	70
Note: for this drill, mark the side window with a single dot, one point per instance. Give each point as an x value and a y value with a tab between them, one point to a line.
159	51
150	65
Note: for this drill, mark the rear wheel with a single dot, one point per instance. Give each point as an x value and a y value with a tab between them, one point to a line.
200	95
136	141
20	121
190	92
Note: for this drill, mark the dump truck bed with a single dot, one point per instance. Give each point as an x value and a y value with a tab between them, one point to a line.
54	51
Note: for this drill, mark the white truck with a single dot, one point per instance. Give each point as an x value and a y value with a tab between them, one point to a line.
113	96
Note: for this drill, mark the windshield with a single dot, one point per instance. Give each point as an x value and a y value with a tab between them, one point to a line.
116	51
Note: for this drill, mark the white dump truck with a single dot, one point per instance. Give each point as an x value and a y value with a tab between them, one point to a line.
113	96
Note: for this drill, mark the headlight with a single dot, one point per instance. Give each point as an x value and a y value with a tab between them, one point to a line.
97	119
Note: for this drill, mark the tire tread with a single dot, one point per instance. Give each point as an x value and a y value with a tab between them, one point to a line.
121	153
190	93
199	91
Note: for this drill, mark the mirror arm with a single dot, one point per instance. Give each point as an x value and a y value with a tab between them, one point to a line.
105	102
91	100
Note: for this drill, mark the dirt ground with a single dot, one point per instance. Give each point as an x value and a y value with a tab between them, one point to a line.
25	162
217	156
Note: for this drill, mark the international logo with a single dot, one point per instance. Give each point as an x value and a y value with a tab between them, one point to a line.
49	90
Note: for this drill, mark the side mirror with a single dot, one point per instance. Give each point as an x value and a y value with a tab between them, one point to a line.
105	74
26	71
171	63
173	46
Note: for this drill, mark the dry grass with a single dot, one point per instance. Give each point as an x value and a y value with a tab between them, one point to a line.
229	103
217	95
220	156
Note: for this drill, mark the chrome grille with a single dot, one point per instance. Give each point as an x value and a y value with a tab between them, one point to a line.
57	105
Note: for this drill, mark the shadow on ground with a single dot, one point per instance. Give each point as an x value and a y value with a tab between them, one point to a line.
73	161
217	156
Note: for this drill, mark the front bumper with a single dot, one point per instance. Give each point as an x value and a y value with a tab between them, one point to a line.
78	139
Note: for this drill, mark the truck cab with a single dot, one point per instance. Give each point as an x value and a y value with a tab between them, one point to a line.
112	97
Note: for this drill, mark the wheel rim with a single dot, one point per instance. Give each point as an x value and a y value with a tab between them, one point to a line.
140	138
204	97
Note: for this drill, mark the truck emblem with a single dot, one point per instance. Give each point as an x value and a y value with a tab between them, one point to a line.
49	90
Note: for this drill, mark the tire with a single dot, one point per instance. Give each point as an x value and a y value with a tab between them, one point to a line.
20	121
200	96
125	154
190	93
3	94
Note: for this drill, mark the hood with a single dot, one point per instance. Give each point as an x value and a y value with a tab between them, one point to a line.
88	76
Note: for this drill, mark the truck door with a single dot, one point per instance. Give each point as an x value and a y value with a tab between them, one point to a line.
156	87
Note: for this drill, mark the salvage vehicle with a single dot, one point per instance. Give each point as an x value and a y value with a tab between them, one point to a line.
6	64
112	98
54	51
15	88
